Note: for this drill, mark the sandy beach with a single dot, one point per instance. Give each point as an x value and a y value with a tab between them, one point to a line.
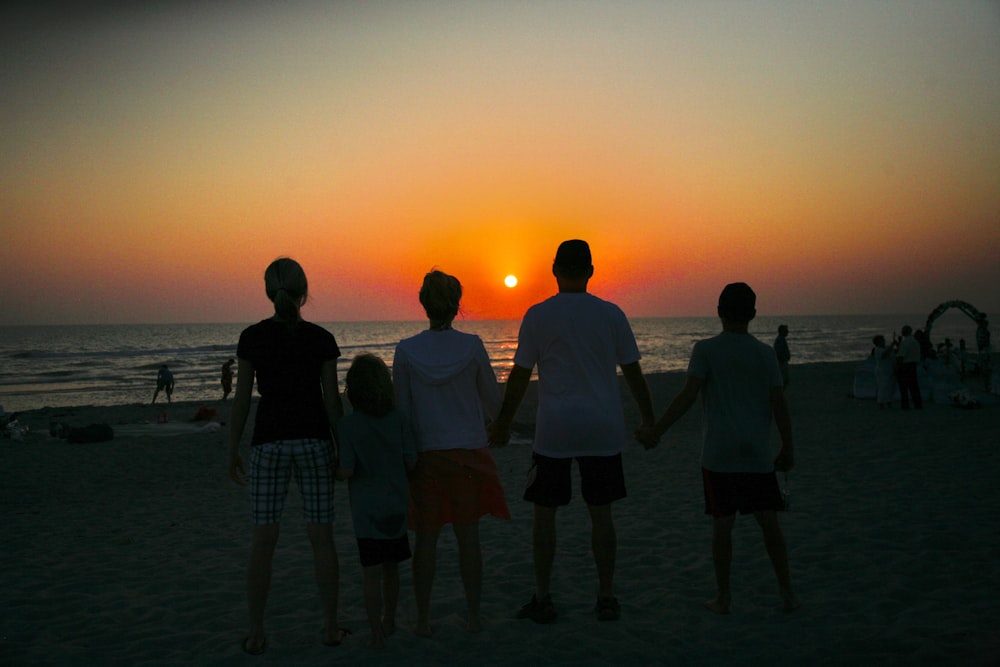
132	551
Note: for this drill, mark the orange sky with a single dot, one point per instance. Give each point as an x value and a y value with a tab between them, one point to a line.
840	157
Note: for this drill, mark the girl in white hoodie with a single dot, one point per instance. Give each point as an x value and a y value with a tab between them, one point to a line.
446	385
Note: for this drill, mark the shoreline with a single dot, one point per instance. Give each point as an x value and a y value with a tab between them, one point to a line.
132	551
177	410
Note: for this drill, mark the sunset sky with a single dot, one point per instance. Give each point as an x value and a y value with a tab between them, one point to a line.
841	157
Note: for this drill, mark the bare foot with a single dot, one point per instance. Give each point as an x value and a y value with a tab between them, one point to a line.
335	637
423	628
255	643
718	605
377	640
789	602
474	624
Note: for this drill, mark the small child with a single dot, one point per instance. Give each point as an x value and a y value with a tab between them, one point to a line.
377	449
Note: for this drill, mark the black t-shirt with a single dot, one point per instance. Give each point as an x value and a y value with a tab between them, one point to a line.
287	363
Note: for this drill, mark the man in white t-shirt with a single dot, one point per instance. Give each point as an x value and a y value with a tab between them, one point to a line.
908	357
578	342
741	389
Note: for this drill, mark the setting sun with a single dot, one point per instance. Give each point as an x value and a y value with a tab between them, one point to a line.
510	281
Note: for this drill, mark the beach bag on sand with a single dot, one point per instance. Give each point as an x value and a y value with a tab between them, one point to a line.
91	433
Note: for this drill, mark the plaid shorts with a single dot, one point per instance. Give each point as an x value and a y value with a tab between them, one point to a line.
271	468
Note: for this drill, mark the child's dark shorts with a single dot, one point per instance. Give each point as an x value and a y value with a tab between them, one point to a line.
602	480
376	552
727	493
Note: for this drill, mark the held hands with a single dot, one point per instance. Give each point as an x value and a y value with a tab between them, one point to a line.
647	436
498	434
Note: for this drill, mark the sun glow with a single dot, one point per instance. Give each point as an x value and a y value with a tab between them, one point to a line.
510	281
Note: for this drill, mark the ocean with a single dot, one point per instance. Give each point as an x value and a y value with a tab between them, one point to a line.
74	365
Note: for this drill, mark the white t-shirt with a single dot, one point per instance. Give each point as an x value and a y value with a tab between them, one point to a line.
577	341
909	350
739	372
445	384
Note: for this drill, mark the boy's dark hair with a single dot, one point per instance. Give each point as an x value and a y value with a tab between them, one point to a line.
737	302
369	386
573	260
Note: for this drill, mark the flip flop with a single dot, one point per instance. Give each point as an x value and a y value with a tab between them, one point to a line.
344	633
254	651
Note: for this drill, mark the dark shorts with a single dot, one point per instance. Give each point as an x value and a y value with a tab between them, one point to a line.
727	493
602	480
376	552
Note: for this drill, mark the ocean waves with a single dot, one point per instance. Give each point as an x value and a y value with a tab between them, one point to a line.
117	364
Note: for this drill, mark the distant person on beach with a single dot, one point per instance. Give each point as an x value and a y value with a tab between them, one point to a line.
377	449
982	333
164	383
907	359
783	353
446	385
947	350
985	365
294	363
227	378
885	369
926	348
578	342
741	389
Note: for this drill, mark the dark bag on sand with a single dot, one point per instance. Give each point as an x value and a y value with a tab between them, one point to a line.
91	433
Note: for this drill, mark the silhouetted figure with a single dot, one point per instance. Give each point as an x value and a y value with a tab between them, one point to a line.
738	378
885	372
985	350
377	449
982	333
577	341
164	383
926	348
445	383
782	352
908	356
227	378
294	364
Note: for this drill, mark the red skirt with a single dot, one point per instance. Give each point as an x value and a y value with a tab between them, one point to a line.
456	486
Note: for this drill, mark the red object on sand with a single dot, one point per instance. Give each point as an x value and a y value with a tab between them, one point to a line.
204	414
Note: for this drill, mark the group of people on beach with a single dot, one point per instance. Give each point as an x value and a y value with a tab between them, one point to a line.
897	364
415	448
165	381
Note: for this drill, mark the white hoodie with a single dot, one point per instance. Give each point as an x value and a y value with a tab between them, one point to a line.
445	383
